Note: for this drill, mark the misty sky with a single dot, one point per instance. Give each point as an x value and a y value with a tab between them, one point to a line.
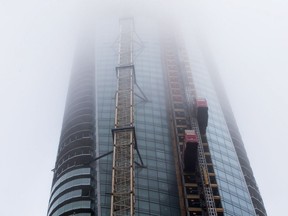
246	39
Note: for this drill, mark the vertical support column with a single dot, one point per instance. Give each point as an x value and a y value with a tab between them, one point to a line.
123	197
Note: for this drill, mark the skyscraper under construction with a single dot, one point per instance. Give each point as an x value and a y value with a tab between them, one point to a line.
148	130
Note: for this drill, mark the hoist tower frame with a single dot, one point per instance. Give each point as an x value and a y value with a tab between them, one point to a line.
198	196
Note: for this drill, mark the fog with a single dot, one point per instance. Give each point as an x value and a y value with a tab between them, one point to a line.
245	40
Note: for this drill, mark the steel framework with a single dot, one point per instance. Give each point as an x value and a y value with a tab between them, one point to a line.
123	197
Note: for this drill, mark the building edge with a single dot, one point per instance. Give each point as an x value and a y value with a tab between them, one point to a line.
73	185
237	141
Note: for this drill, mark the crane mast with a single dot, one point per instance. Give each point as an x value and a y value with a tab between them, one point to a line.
197	186
123	194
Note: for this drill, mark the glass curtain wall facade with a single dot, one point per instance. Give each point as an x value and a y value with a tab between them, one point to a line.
84	188
234	193
73	186
238	144
239	191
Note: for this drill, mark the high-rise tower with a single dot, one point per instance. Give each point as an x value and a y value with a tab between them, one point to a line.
146	131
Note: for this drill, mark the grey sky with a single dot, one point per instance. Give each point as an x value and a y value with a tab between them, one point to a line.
247	40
